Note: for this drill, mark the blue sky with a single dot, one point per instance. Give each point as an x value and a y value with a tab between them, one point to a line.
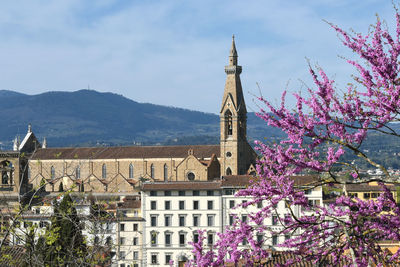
174	52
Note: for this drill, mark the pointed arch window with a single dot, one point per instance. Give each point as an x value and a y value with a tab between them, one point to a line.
81	187
11	173
4	178
6	172
78	172
228	123
28	172
131	170
165	172
52	172
228	171
152	171
104	171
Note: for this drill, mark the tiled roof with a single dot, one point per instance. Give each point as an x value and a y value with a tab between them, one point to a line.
130	219
367	188
279	258
129	204
36	216
181	186
228	181
244	180
302	180
236	180
200	151
132	182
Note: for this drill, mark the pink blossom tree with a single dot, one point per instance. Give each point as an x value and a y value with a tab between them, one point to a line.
320	130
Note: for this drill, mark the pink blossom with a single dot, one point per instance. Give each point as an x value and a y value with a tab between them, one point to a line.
322	128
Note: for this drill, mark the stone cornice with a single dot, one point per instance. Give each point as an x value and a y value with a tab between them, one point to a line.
9	154
233	69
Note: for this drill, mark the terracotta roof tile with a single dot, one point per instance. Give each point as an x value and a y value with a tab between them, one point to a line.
181	186
131	197
244	180
281	257
236	180
302	180
367	188
200	151
129	204
132	182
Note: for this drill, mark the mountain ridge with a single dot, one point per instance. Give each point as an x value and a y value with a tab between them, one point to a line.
88	117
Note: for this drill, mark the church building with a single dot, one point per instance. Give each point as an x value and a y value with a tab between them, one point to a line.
123	169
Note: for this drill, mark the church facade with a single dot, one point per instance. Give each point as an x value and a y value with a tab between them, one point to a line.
123	169
14	168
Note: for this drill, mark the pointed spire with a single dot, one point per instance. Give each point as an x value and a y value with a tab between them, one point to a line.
233	53
16	144
233	67
233	85
29	128
44	144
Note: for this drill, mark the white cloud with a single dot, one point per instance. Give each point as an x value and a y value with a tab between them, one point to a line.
172	52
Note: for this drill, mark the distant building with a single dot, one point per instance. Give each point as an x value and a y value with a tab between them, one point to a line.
130	233
119	233
369	191
13	167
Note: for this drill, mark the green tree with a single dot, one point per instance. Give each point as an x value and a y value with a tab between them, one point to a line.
29	246
65	244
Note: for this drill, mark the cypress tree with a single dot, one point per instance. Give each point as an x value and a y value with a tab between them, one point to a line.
65	244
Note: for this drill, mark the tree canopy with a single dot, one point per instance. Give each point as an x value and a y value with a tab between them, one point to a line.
325	126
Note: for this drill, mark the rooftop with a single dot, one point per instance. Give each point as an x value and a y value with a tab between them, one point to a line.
228	181
212	185
125	152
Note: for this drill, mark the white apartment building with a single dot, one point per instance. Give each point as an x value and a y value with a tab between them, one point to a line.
129	233
232	205
129	246
174	211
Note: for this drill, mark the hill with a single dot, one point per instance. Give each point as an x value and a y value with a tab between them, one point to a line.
87	118
7	93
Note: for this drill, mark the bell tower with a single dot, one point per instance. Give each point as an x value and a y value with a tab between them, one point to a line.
236	153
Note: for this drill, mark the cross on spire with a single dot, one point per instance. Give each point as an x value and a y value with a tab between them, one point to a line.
233	53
